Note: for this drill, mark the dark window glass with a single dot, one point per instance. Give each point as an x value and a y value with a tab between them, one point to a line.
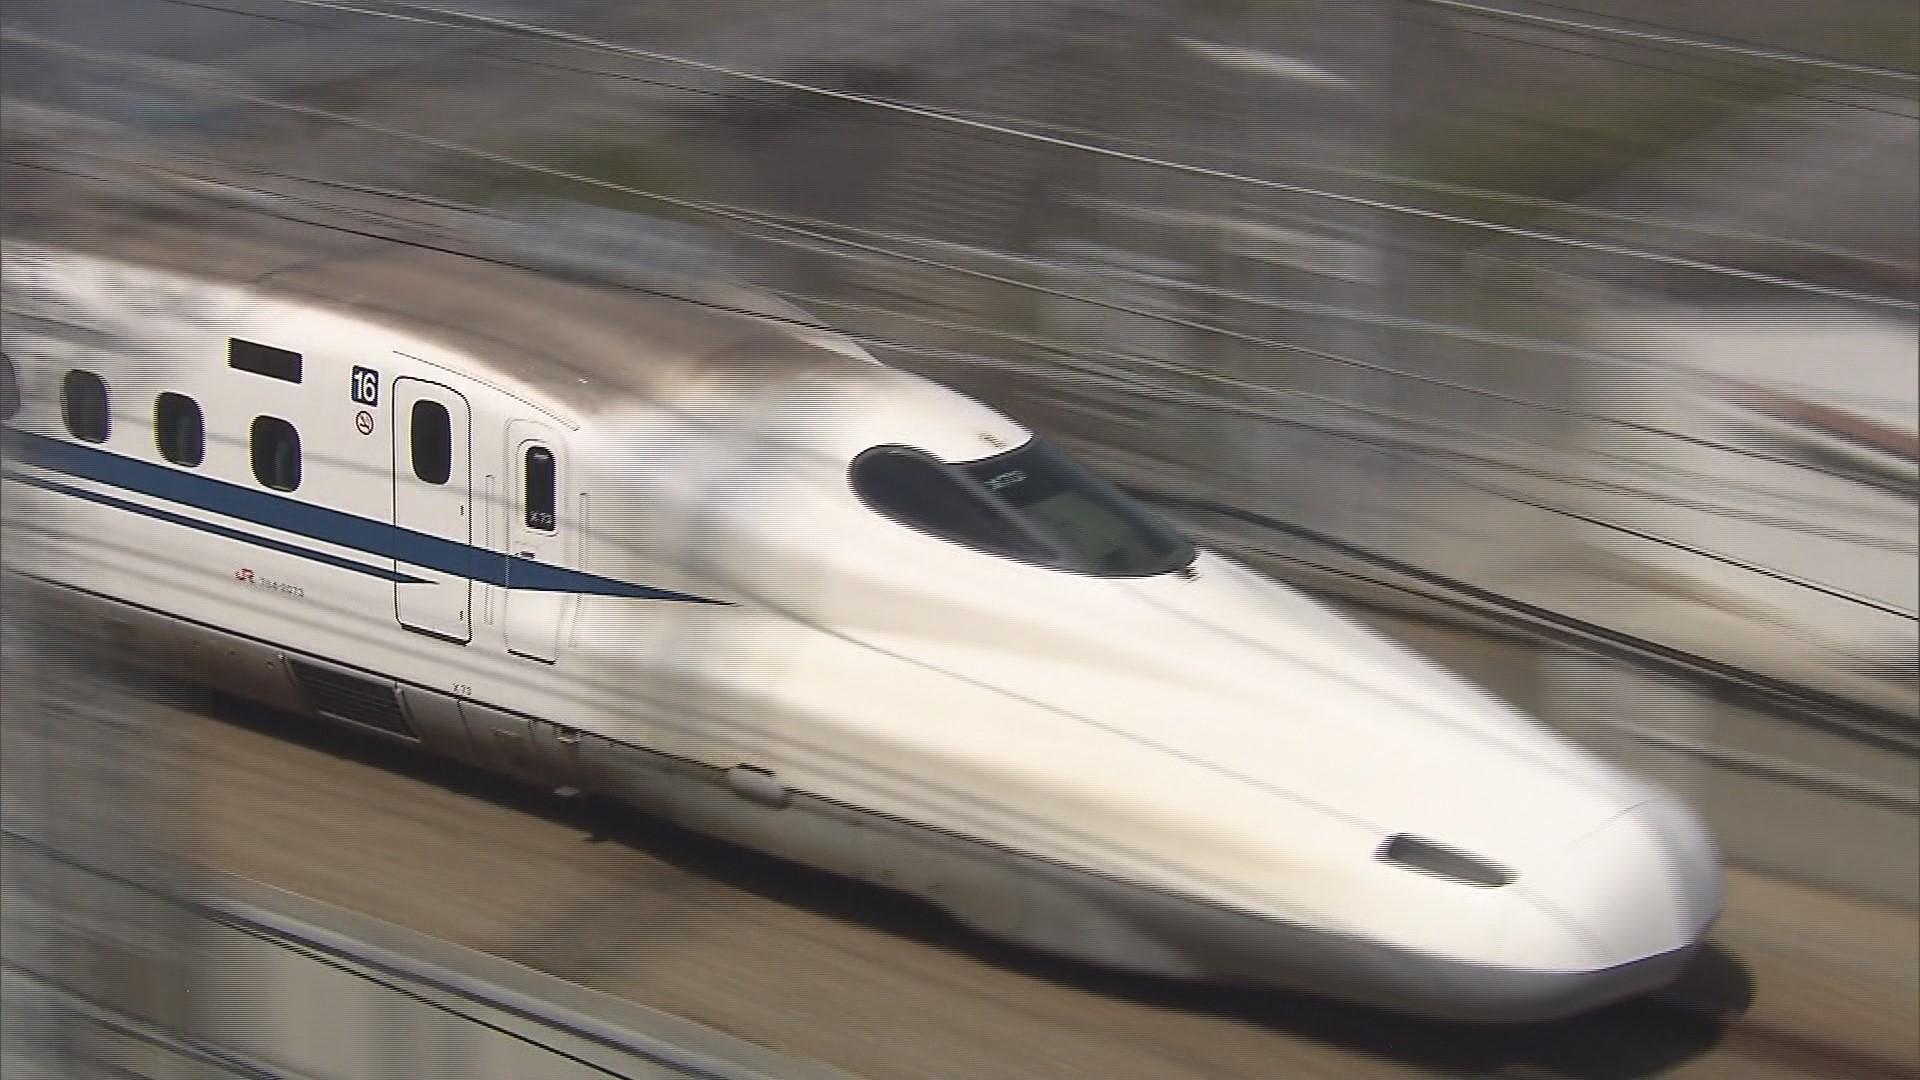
432	442
1032	504
912	489
543	483
83	405
180	429
276	453
9	388
1099	529
263	360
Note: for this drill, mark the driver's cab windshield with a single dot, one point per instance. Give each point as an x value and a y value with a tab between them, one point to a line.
1032	504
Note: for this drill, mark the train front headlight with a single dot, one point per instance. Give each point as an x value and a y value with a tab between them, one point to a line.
1428	857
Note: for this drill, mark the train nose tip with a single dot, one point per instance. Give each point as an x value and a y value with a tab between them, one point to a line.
1646	884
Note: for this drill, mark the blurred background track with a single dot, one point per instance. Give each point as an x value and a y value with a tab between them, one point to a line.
1813	971
1801	980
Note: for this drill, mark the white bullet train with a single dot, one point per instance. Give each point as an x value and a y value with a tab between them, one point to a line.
730	570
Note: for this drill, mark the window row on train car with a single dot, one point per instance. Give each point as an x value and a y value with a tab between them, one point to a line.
179	426
180	431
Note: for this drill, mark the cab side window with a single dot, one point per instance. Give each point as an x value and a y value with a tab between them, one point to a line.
912	489
83	406
542	487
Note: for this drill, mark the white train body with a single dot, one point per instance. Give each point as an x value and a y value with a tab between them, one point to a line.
1178	766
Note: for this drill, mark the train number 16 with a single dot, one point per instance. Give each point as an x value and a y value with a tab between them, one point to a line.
366	386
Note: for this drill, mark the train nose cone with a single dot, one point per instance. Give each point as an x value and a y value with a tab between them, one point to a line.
1645	884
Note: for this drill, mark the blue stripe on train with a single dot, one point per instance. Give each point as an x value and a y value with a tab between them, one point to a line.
377	538
217	530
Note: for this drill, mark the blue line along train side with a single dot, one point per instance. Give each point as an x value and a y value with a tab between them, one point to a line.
727	568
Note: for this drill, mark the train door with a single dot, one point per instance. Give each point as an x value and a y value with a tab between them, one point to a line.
432	495
537	528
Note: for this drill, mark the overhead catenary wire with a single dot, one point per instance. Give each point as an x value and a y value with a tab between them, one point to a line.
204	6
1891	728
1418	452
1069	352
1709	665
1372	176
749	218
1627	530
485	23
1402	374
1743	84
1390	446
1398	449
742	216
1668	27
1689	376
1319	354
1668	36
1324	355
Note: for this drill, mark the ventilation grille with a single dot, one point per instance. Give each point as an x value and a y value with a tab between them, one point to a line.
338	696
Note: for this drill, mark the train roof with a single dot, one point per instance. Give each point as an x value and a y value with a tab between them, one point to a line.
586	345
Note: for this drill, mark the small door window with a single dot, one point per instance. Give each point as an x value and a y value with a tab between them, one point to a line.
432	442
542	488
276	453
180	429
83	405
9	388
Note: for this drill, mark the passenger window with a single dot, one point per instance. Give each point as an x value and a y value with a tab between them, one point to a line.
9	388
276	453
432	442
180	429
543	482
909	488
83	405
